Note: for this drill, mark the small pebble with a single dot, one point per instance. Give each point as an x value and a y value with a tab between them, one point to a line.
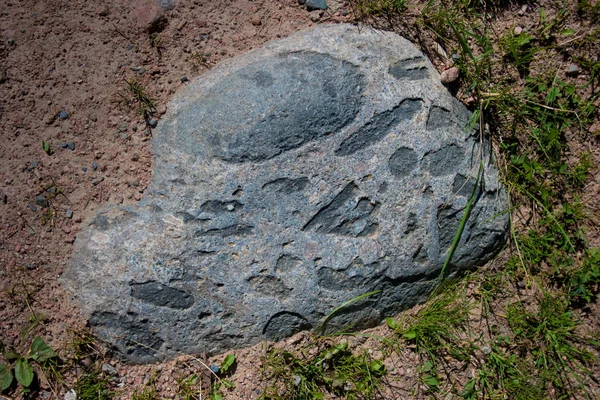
64	145
34	164
215	368
486	350
302	2
523	10
574	70
11	41
153	123
63	115
84	169
32	208
70	395
518	30
183	79
256	21
69	214
94	165
109	369
315	16
450	75
52	189
316	5
41	201
455	57
71	145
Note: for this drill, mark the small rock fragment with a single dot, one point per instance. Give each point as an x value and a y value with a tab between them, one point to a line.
215	369
183	79
153	123
181	25
32	208
64	145
63	115
84	169
103	11
315	16
316	5
518	30
97	181
41	201
440	51
71	146
302	2
94	165
523	10
70	395
256	21
109	369
69	214
573	70
450	75
4	198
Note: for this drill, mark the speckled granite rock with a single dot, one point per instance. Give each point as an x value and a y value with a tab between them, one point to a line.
287	181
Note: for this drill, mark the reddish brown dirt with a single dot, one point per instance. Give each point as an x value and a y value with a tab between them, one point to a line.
75	56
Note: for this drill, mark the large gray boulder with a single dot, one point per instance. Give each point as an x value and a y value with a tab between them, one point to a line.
286	182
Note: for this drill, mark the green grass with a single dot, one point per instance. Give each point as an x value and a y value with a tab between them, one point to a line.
93	386
320	370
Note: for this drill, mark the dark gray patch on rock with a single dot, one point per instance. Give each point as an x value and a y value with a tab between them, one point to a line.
220	207
137	341
403	162
379	126
231	230
161	295
464	187
438	118
411	69
307	97
285	324
287	185
420	255
443	161
348	214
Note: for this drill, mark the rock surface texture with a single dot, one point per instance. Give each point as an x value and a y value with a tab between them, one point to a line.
288	181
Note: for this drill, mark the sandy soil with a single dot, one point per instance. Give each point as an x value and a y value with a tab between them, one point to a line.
63	72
